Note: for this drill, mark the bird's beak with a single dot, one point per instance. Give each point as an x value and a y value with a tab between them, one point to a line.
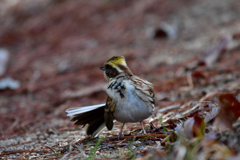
102	68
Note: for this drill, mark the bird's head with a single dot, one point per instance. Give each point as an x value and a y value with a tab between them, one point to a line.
114	67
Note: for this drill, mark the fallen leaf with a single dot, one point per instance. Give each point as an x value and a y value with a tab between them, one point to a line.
211	114
229	112
193	127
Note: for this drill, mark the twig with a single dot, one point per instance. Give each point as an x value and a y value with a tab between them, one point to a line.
4	153
165	139
211	56
145	135
48	147
199	102
190	83
168	108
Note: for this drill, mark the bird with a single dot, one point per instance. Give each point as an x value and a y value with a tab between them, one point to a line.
130	99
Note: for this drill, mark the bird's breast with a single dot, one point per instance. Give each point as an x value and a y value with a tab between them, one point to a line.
131	105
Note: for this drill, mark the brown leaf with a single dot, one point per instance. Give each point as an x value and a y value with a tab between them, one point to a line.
229	112
193	127
236	36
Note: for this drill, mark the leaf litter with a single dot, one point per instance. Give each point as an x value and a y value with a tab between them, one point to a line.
195	76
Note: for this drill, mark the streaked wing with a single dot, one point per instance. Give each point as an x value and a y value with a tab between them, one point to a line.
144	89
108	113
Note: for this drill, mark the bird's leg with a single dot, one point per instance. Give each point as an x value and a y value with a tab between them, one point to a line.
120	133
144	132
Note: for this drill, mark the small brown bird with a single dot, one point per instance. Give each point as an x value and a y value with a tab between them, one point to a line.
130	99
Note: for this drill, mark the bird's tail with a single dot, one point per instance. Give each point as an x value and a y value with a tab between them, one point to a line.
91	115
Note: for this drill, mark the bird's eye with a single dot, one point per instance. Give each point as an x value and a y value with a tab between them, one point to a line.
108	66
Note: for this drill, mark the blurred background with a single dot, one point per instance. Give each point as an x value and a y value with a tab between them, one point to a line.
51	51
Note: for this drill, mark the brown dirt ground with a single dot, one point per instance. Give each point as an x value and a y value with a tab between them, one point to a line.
56	48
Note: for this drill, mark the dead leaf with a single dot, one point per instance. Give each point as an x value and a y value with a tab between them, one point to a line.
193	127
236	36
229	112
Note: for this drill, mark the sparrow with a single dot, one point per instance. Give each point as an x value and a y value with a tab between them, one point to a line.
130	99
